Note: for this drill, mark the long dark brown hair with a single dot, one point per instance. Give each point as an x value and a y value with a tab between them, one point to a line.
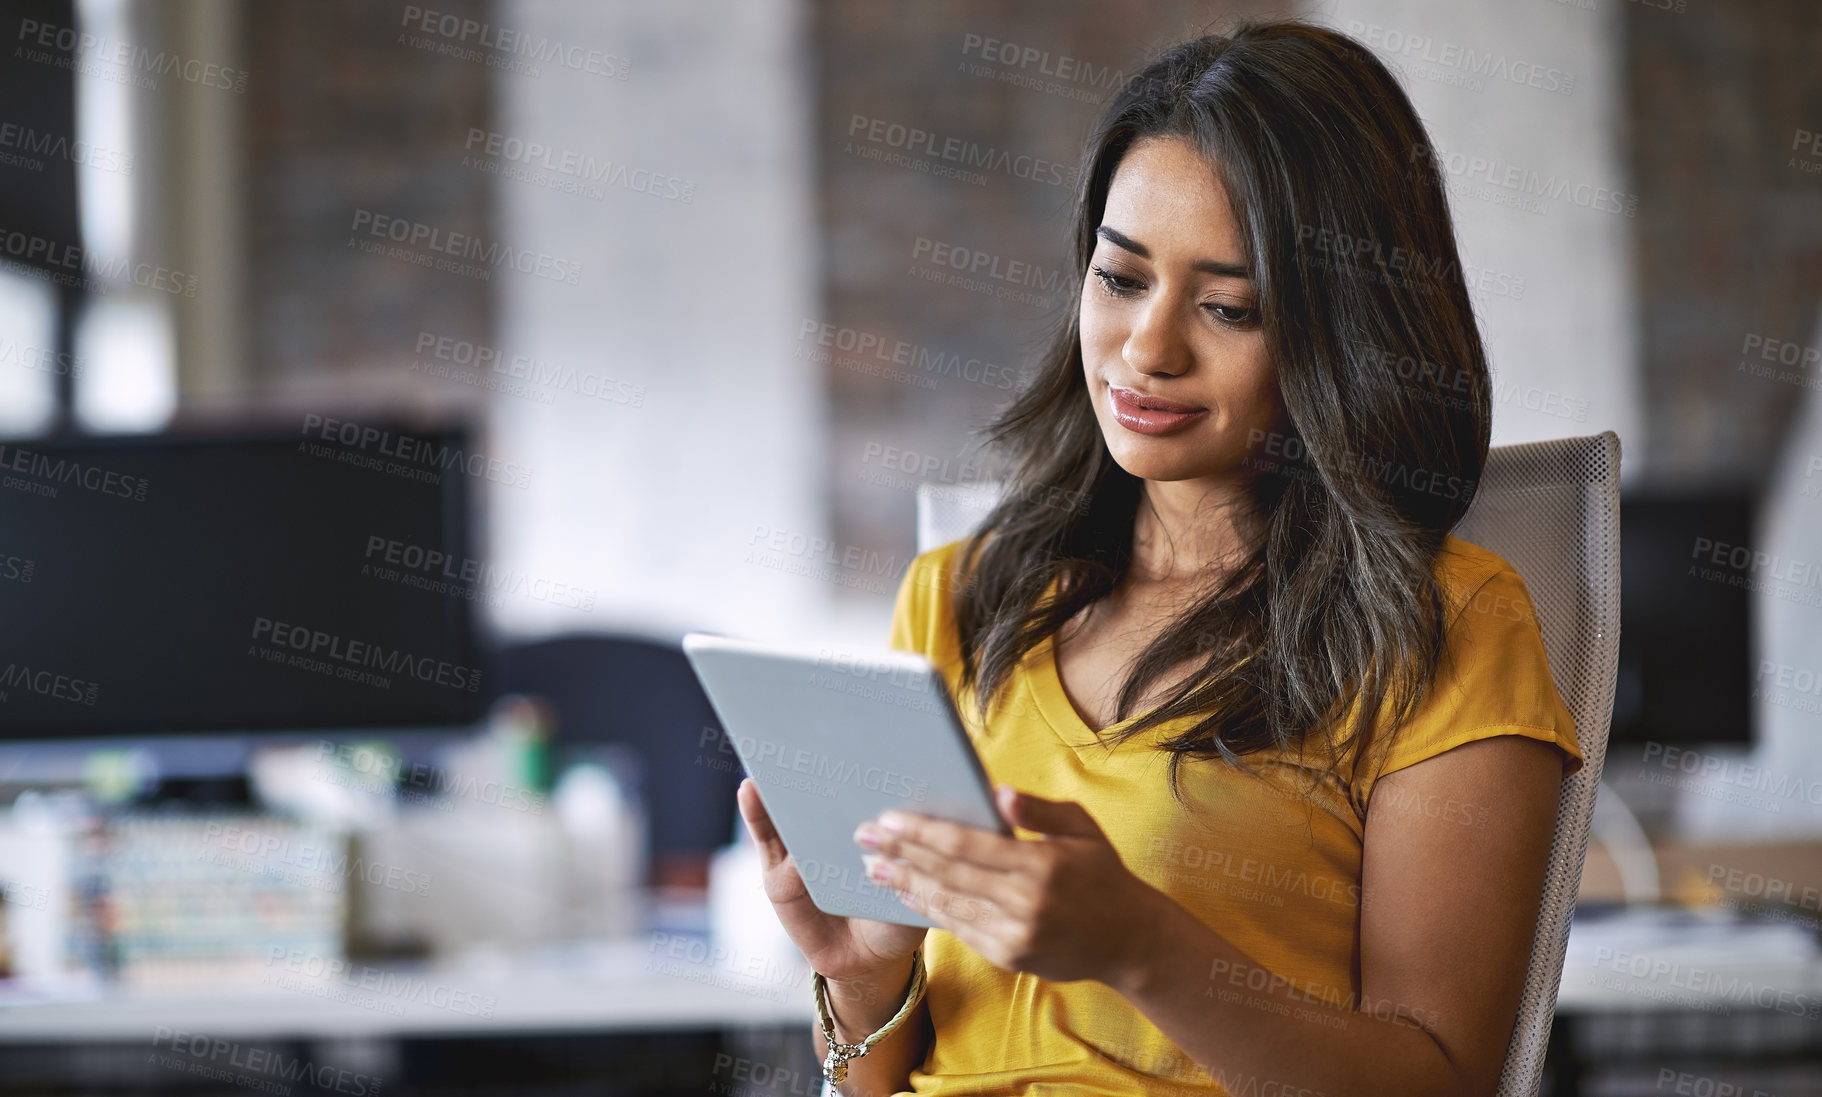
1384	379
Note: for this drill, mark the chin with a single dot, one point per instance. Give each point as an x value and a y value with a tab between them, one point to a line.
1173	457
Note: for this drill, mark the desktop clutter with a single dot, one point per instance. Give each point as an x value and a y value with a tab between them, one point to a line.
347	850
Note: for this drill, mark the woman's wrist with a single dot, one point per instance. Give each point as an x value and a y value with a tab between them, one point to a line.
861	1005
1162	946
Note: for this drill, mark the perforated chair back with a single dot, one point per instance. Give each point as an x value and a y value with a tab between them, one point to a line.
1552	510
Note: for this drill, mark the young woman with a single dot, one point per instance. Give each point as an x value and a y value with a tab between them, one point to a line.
1282	754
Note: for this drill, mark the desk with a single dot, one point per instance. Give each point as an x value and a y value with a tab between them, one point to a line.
636	1014
1706	994
1707	969
627	986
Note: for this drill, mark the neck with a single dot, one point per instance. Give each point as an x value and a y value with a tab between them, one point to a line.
1190	529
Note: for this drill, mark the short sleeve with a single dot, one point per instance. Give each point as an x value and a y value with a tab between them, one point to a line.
908	609
919	623
1494	679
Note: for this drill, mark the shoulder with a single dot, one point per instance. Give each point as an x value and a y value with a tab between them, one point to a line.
921	620
1494	667
1494	674
1484	597
1469	575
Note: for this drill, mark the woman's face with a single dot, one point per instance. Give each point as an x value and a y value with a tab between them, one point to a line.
1178	369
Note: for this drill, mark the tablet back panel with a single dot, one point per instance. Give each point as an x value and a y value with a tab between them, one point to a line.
834	738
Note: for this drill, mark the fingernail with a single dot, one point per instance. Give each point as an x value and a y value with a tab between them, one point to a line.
892	821
866	836
877	869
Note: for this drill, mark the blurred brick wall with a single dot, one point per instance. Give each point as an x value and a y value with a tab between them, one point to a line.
346	112
1729	226
1022	78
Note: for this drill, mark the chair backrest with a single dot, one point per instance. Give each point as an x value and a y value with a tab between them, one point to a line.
1552	510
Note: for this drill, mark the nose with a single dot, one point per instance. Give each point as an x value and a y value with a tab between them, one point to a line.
1155	345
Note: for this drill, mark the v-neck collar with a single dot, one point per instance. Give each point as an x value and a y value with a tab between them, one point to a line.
1045	683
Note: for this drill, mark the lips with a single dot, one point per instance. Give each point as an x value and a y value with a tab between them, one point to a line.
1153	415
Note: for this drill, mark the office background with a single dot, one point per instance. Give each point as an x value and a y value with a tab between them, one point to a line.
694	295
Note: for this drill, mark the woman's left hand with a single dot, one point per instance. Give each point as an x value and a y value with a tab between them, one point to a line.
1061	907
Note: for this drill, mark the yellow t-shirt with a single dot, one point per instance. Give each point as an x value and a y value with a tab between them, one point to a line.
1275	870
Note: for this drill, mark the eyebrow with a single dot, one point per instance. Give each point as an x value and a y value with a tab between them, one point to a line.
1121	240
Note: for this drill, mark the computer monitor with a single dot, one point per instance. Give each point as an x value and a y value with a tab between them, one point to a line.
1685	626
264	582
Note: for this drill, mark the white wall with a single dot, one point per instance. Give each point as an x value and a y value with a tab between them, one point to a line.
1563	349
653	507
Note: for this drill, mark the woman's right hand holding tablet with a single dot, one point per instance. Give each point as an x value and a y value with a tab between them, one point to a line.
866	963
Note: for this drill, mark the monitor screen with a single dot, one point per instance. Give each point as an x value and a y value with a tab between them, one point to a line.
1685	629
274	582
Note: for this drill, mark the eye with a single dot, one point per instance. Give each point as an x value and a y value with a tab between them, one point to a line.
1236	315
1117	285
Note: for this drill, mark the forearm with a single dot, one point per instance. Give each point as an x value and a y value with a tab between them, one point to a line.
1248	1028
859	1010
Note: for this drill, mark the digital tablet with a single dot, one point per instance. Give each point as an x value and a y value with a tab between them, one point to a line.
833	737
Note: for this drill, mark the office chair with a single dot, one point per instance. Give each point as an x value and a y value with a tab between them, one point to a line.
640	692
1552	510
